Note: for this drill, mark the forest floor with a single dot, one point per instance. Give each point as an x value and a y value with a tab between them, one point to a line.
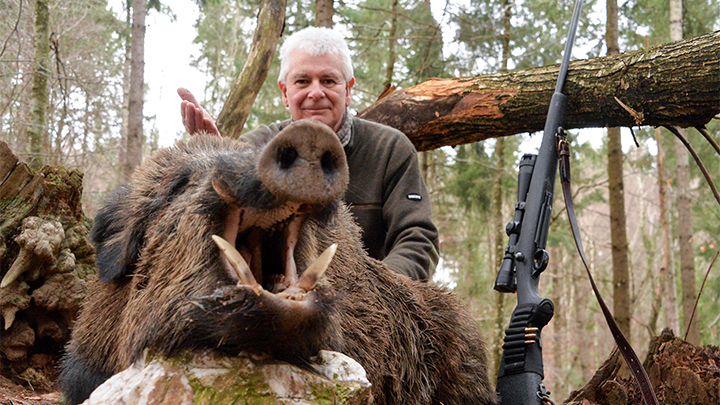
680	373
14	394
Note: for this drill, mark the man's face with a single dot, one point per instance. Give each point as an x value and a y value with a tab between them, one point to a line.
316	89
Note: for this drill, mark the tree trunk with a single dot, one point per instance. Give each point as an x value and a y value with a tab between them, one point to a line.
324	12
37	130
498	228
685	234
441	112
392	55
618	233
45	260
616	194
667	271
133	154
247	85
684	206
499	241
122	150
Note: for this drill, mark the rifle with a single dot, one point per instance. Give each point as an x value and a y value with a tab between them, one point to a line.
521	368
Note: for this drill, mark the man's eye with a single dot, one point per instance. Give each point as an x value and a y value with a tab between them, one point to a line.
329	82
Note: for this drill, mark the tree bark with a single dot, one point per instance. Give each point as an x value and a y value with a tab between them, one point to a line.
618	233
122	152
684	206
392	55
133	153
500	236
324	12
667	273
45	258
674	84
616	196
499	241
38	131
685	234
247	85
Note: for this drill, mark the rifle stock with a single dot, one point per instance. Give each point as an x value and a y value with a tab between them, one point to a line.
521	368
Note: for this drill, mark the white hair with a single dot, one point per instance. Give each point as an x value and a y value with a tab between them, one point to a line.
316	41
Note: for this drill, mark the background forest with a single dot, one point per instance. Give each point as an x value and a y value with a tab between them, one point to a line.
81	56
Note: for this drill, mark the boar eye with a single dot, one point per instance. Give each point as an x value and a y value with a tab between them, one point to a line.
286	157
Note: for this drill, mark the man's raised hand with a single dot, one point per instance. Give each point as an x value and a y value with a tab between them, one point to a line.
195	118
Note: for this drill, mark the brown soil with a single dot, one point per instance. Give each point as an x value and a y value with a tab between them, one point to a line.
13	394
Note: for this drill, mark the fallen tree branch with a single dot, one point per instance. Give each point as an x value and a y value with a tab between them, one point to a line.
676	84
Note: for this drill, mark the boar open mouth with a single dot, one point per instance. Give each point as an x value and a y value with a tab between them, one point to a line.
305	168
262	256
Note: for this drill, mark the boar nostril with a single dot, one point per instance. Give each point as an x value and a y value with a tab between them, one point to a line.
304	163
286	157
328	162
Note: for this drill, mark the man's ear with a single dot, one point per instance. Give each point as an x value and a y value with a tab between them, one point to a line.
283	89
348	92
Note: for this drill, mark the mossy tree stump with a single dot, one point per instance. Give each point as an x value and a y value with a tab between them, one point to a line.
44	259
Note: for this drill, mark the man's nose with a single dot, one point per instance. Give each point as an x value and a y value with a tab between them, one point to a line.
316	90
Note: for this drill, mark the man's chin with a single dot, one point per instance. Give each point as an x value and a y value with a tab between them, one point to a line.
329	121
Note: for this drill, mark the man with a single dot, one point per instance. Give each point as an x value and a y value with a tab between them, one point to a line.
386	193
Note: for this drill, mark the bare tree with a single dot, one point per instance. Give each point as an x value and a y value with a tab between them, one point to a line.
324	12
122	151
618	232
247	85
499	234
667	273
133	151
392	55
684	205
38	131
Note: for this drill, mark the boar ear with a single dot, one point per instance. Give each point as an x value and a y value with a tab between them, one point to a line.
222	189
117	247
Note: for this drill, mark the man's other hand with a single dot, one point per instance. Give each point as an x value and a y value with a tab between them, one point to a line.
195	118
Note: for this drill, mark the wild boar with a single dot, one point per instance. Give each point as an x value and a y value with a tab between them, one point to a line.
276	288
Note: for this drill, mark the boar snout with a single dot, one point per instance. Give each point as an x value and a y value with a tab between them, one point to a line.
304	163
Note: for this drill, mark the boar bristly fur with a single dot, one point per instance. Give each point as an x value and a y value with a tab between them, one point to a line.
164	286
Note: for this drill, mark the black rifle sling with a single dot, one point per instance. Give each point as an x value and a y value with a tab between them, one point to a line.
636	367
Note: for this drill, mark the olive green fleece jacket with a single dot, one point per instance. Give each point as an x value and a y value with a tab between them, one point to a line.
387	196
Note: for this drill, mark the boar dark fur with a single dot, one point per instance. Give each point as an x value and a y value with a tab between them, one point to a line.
162	287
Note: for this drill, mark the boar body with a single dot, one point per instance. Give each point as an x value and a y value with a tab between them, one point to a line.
165	287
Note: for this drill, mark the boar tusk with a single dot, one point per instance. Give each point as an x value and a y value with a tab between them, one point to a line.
316	270
292	235
238	264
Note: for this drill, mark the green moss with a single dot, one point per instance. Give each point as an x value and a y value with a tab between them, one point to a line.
13	213
233	387
241	383
340	394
